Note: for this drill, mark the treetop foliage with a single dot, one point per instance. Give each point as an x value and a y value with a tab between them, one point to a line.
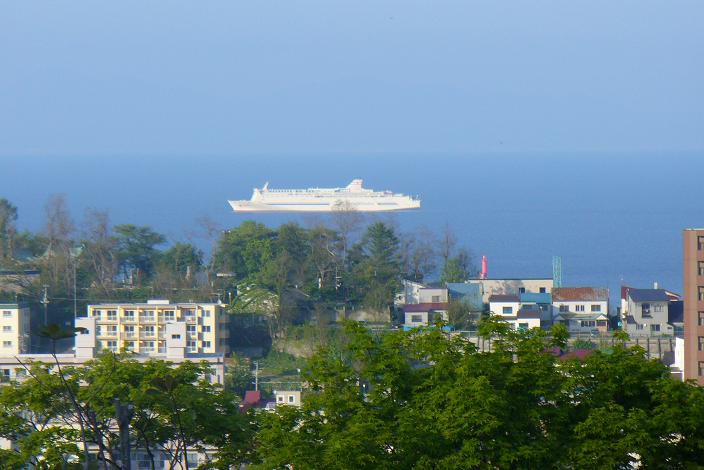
428	399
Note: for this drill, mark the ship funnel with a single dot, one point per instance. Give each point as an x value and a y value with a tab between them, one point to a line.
485	268
355	185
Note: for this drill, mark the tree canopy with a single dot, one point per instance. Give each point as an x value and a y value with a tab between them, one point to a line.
427	399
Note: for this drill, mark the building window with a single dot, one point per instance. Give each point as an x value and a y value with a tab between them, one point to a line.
291	398
588	323
596	308
639	326
7	344
701	368
700	271
112	315
542	290
97	313
564	308
416	318
655	327
280	398
129	345
579	308
645	310
701	343
192	347
700	247
206	344
523	326
129	331
507	310
521	290
7	314
701	293
148	346
191	329
175	336
435	299
147	331
7	329
112	330
657	308
206	328
701	318
601	323
129	315
112	345
206	313
169	315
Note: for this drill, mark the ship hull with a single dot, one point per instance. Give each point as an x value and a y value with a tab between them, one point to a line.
250	206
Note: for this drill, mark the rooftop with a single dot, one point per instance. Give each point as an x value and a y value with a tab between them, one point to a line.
589	294
504	298
648	295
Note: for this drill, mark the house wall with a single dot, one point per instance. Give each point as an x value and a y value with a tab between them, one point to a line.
580	306
510	286
14	329
528	322
497	308
658	316
432	295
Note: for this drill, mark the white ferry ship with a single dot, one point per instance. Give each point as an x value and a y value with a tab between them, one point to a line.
351	197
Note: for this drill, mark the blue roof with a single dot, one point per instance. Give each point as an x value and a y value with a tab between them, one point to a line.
460	288
536	297
469	293
648	295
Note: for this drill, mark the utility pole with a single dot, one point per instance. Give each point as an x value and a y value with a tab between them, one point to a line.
45	301
256	375
124	414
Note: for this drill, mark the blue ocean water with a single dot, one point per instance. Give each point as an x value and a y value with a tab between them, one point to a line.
612	218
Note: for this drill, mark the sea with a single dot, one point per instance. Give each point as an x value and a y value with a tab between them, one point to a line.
613	219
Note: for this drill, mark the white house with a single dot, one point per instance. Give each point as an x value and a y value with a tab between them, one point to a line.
648	312
504	304
432	295
288	397
416	315
581	309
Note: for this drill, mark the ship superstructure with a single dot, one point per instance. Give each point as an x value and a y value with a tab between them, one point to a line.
351	197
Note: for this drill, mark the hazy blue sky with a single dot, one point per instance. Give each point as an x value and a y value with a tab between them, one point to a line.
233	77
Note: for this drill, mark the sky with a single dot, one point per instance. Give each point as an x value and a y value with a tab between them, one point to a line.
322	77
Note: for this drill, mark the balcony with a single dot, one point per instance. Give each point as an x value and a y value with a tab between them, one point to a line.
147	318
147	334
130	334
189	318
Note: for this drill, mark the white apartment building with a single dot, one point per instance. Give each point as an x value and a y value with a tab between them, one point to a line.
142	327
14	329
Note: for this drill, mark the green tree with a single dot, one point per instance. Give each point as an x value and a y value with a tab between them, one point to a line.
8	216
456	268
244	251
377	401
136	250
181	261
376	266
